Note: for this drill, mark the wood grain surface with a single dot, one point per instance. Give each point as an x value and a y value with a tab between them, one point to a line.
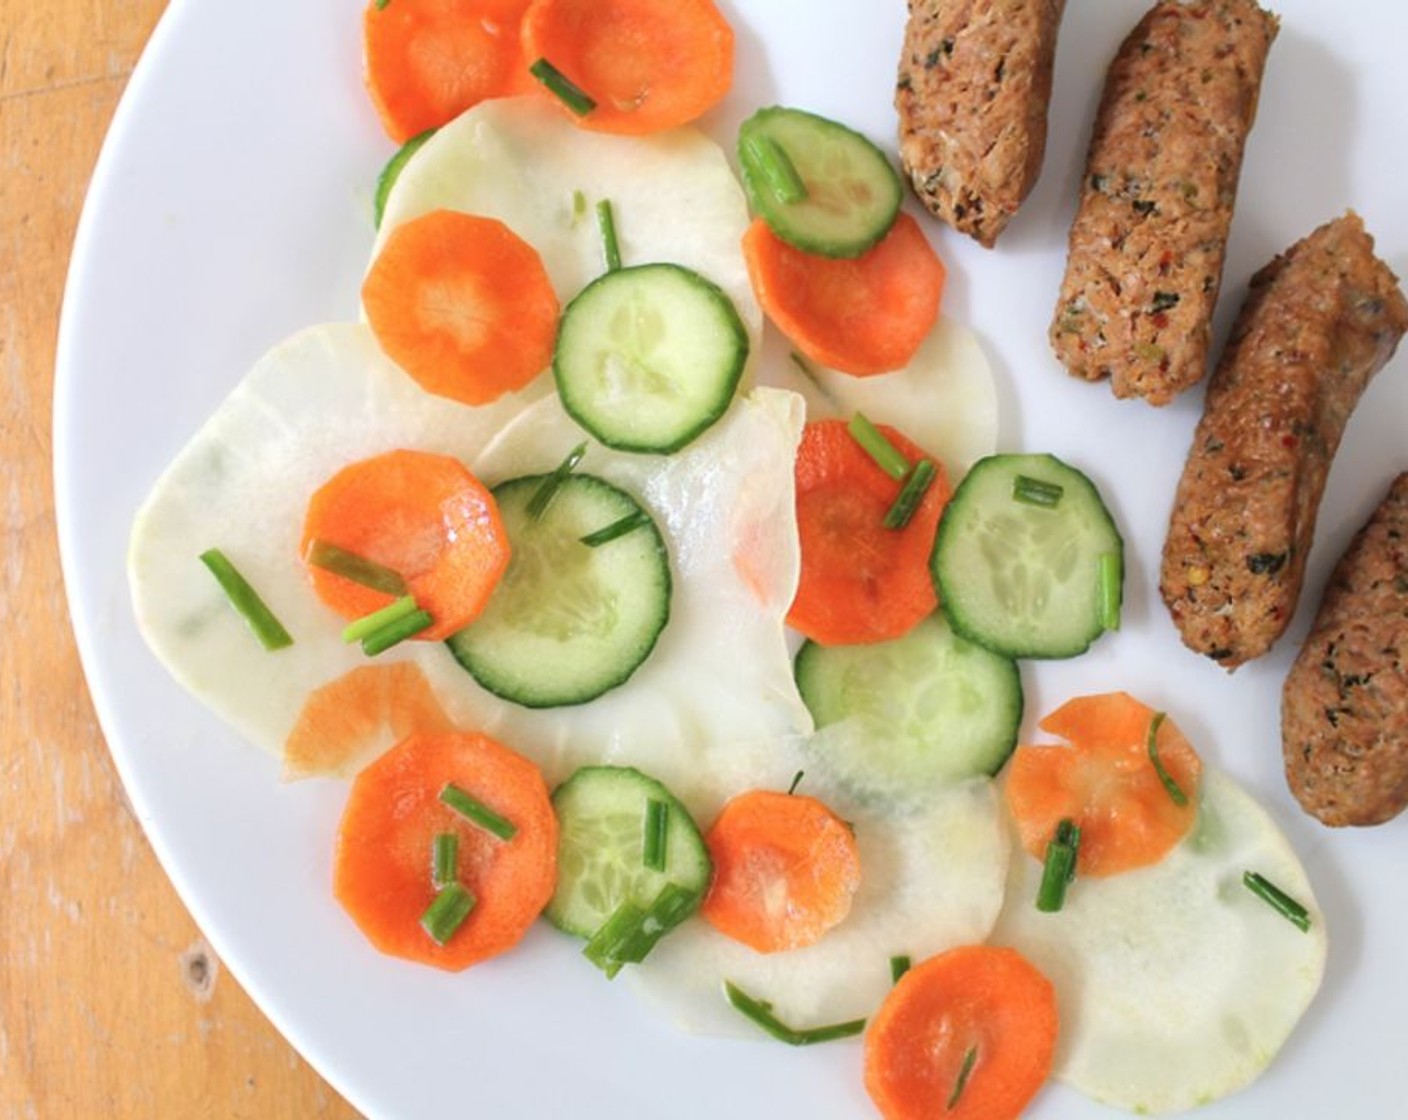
111	1004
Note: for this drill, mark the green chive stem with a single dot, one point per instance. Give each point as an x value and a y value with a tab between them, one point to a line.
394	633
268	629
328	556
445	859
767	158
477	812
1035	492
656	834
760	1012
671	906
1111	590
552	483
873	442
1277	899
604	947
916	485
447	913
368	624
619	528
606	223
796	781
1175	793
1059	867
562	87
579	207
958	1086
898	967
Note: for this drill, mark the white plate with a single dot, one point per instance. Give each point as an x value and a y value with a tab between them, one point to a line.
231	206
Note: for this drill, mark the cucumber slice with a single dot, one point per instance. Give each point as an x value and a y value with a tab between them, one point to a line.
392	171
852	192
1021	577
601	814
648	357
568	622
934	707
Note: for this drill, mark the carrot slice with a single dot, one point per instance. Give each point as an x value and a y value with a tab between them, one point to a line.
1105	782
860	582
349	720
427	61
863	316
785	870
463	305
648	65
978	1006
423	516
382	869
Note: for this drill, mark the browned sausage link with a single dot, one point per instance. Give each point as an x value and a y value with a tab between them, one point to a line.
1318	323
1148	240
974	83
1344	710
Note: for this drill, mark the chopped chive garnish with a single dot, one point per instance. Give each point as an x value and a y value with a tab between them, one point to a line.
394	633
767	158
898	967
369	624
268	629
604	947
381	4
610	247
447	913
1110	590
562	87
1175	793
802	364
628	524
657	824
477	812
760	1011
958	1086
796	781
1059	868
348	565
579	206
1035	492
873	442
630	933
548	488
445	858
1277	899
921	476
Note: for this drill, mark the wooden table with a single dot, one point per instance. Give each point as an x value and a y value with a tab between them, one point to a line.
111	1003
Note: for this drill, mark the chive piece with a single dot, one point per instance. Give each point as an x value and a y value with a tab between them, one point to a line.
381	4
873	442
1111	591
348	565
394	633
760	1012
764	156
369	624
628	524
655	838
1277	899
445	859
1059	868
548	488
1175	793
579	206
604	947
610	247
268	629
477	812
796	781
898	967
921	477
1035	492
802	364
958	1086
447	913
630	933
562	87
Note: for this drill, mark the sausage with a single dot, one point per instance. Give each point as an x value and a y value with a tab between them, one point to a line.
1344	708
1148	240
974	83
1319	321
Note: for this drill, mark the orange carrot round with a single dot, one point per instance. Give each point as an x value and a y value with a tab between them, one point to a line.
382	869
648	65
1106	783
860	582
463	305
785	870
427	61
968	1035
423	516
863	315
